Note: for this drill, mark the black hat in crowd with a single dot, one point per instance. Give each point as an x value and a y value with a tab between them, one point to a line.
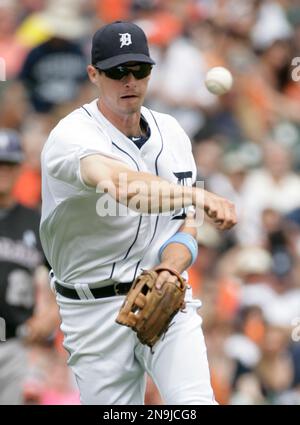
10	146
117	43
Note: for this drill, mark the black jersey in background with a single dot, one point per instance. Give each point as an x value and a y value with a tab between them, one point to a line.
20	254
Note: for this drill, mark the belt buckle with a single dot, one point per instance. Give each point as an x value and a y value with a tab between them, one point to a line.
116	289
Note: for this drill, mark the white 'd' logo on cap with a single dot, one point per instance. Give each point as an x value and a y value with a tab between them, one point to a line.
125	39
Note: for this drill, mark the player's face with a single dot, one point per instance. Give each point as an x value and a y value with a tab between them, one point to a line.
8	177
125	95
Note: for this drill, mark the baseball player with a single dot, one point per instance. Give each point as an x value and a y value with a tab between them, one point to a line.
21	277
116	180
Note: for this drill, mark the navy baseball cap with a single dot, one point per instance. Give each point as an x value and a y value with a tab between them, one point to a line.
10	146
117	43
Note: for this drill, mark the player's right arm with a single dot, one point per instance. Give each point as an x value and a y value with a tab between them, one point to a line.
151	193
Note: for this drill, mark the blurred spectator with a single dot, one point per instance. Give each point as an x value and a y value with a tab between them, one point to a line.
248	391
275	369
113	10
221	365
274	185
161	24
44	73
11	48
54	71
26	303
59	388
262	285
278	244
202	271
43	18
243	346
13	105
253	266
208	157
295	355
49	380
27	190
181	93
271	25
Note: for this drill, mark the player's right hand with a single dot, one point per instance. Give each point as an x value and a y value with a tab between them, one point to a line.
220	211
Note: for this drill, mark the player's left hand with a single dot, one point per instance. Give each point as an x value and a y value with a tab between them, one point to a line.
148	310
164	276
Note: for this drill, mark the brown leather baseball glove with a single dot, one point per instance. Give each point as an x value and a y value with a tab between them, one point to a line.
148	310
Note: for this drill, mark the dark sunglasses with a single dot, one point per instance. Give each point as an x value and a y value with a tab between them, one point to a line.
118	72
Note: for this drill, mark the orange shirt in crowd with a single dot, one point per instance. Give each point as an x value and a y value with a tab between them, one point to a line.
195	280
293	90
27	190
113	10
220	387
227	302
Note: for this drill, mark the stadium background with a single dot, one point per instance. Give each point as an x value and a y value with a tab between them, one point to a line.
246	146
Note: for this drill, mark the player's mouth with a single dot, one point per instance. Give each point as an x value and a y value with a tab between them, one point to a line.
129	96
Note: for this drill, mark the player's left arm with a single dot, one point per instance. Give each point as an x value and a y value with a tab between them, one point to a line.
176	255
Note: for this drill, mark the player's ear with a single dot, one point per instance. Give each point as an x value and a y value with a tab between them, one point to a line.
92	73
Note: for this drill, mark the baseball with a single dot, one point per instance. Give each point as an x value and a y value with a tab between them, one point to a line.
218	80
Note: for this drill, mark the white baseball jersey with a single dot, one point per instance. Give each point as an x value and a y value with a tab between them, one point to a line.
81	244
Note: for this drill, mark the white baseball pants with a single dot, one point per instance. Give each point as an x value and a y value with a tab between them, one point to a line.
110	363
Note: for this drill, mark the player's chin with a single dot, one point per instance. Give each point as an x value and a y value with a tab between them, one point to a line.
131	104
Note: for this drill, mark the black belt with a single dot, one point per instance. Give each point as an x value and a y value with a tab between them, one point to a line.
120	288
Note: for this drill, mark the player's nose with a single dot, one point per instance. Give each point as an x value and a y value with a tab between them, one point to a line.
129	79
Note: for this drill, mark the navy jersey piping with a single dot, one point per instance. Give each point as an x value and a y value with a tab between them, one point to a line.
112	270
162	143
156	171
136	236
136	164
139	225
126	153
86	111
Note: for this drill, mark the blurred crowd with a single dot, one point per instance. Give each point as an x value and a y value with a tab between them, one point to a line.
246	146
